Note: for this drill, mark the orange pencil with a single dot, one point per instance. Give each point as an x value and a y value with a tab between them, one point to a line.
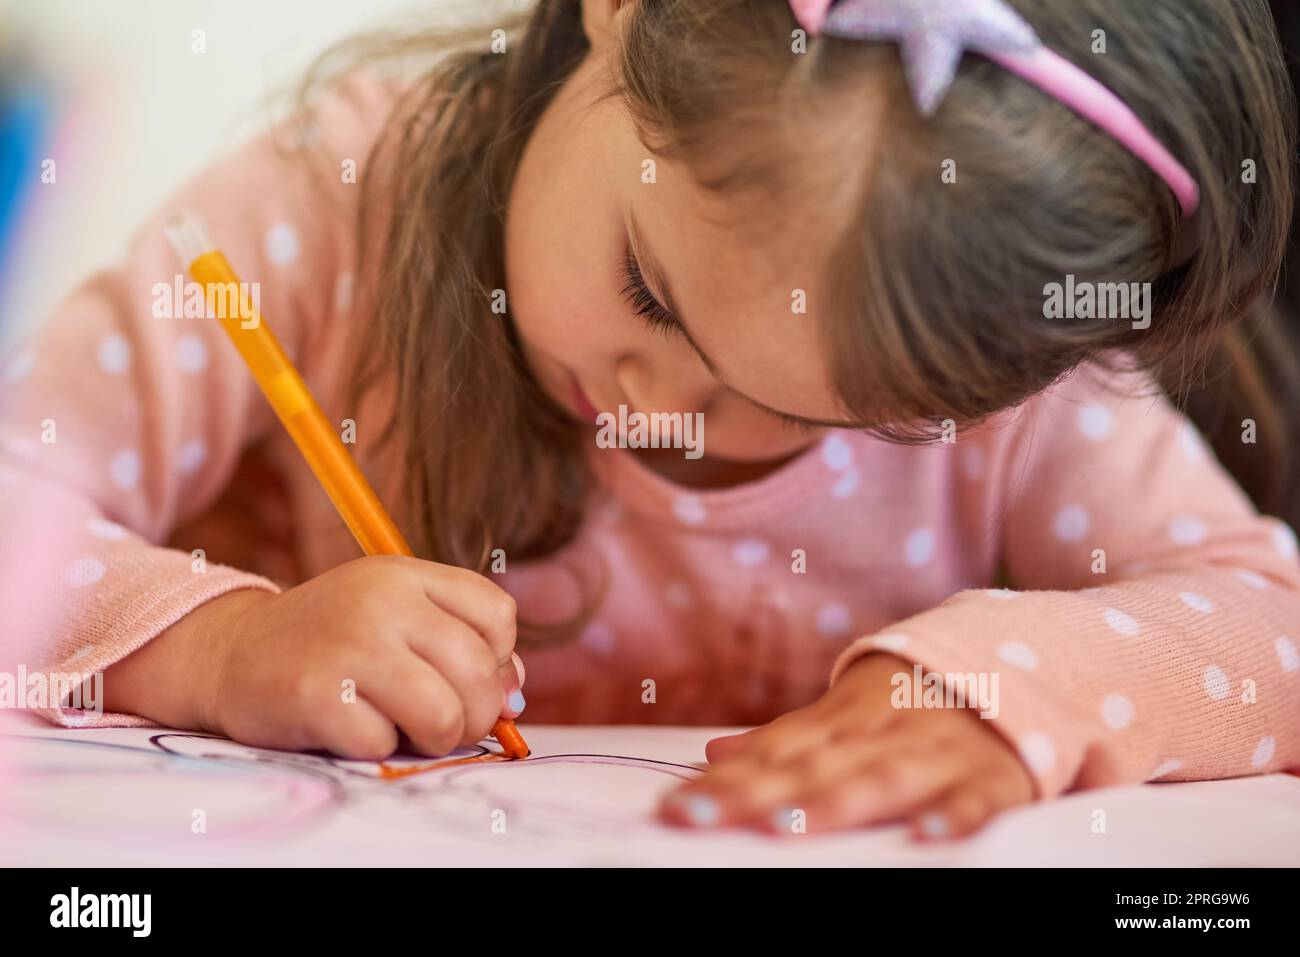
293	403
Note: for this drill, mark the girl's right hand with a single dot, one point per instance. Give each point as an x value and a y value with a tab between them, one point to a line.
347	660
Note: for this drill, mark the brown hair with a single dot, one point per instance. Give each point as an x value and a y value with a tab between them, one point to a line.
938	287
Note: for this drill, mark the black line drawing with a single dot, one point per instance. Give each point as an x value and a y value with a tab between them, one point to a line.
146	793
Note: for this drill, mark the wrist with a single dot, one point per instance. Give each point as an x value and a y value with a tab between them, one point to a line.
214	627
173	678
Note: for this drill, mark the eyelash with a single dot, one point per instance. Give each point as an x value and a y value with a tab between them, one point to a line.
642	300
660	320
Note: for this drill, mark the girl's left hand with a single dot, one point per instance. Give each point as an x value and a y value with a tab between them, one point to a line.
852	759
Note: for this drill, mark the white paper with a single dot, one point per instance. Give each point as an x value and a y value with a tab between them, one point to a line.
586	797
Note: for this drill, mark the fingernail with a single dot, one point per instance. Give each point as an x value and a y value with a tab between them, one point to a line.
783	819
934	825
702	811
516	701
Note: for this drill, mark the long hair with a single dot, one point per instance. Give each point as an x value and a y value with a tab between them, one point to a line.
936	287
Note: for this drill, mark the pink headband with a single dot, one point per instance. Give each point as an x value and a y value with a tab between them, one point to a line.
933	34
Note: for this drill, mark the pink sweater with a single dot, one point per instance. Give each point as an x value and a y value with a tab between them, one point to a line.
1176	659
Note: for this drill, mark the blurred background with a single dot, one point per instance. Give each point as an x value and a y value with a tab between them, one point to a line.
129	99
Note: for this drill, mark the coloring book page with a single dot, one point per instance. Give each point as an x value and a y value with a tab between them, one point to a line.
586	796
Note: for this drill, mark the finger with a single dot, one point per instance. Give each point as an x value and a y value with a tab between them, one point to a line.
729	745
418	699
353	729
461	656
479	602
968	805
882	789
748	790
512	680
791	733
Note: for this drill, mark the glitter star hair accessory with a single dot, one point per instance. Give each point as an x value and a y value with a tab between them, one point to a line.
933	35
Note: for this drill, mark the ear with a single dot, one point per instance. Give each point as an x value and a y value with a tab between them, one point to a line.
600	19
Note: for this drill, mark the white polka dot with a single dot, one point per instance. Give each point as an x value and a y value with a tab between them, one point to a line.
282	244
191	354
1002	594
125	468
1186	530
103	528
1251	579
1263	753
689	509
190	456
19	365
894	641
751	552
1121	622
678	595
1071	523
1166	767
1193	444
1117	712
1136	568
846	484
1216	683
343	292
834	619
972	462
919	547
1284	541
836	452
1196	602
85	571
1038	752
114	354
1019	654
1095	422
1287	655
599	637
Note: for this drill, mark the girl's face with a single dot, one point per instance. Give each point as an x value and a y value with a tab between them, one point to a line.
627	292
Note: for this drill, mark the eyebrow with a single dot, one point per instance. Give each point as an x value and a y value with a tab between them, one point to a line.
659	281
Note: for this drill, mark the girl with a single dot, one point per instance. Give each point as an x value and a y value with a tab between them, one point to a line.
843	240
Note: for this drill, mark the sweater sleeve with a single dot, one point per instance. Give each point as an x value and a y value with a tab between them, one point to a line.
1153	630
126	414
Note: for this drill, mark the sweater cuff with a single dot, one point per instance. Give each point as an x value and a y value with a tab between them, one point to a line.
153	612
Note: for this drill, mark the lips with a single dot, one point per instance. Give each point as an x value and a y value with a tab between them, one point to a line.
585	409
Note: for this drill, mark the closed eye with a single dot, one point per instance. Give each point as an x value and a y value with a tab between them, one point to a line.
660	319
643	302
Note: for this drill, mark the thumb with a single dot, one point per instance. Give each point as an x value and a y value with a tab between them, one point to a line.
512	682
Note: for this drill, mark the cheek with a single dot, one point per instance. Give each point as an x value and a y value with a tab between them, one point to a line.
560	332
559	270
734	429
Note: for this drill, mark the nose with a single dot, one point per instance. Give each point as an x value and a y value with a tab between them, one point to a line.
665	383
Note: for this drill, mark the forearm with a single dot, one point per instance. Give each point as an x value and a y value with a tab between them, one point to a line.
172	679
